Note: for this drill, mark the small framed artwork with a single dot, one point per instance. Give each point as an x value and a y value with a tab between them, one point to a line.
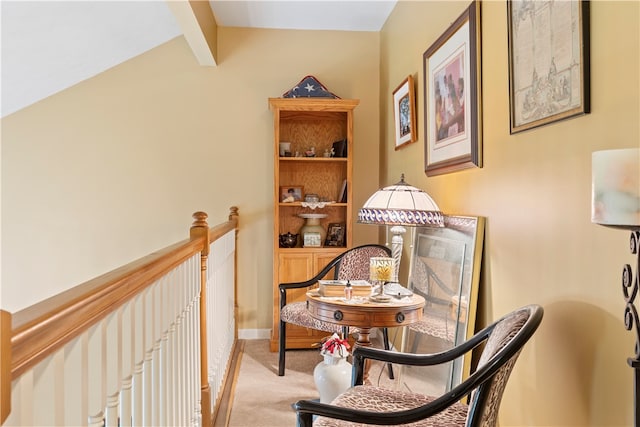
452	97
548	62
335	234
405	113
291	193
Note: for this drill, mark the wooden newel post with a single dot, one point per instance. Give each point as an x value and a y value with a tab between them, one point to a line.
5	365
233	213
200	229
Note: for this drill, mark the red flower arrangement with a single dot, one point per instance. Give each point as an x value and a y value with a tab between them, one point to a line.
335	346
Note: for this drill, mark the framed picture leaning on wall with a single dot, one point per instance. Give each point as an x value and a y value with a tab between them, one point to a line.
452	96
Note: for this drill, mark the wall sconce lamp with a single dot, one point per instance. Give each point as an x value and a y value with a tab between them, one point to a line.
616	203
400	205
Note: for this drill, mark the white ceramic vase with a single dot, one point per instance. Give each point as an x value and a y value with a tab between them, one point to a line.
332	377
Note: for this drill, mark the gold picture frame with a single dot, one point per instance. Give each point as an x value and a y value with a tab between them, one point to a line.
404	111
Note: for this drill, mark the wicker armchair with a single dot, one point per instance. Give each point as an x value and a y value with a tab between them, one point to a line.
352	264
365	405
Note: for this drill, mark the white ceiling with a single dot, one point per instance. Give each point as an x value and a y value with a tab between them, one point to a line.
48	46
357	15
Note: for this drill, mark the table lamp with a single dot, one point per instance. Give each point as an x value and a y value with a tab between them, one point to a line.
616	203
400	205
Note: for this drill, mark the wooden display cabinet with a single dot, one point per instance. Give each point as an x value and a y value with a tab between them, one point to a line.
306	123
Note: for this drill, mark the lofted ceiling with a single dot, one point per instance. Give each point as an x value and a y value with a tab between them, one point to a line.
48	46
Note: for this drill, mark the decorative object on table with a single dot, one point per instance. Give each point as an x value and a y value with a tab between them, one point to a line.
381	271
405	113
288	240
452	100
291	193
348	291
285	149
335	288
396	290
548	62
444	269
335	234
400	205
332	376
616	204
313	234
309	87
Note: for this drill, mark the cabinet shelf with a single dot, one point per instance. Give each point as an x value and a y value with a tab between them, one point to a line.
313	159
299	205
313	250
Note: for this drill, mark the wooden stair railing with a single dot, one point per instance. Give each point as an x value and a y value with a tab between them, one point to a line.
163	296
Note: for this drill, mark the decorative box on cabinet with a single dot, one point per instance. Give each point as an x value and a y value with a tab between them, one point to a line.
305	123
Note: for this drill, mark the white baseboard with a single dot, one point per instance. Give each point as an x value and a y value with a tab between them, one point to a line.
254	334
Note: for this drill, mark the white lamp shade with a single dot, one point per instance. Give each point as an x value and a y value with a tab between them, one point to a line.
401	204
615	187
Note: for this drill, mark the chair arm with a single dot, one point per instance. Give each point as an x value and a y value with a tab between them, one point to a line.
361	353
306	409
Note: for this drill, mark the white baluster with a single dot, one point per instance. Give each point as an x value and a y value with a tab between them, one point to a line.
95	374
128	334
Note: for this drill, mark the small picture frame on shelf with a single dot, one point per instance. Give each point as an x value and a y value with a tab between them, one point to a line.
335	234
312	240
291	193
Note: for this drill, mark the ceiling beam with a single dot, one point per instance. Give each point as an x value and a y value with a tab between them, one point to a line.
199	28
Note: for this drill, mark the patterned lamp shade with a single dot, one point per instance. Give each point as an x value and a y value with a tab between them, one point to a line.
616	188
401	204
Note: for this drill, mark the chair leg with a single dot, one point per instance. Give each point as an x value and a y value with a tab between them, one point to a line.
282	340
385	339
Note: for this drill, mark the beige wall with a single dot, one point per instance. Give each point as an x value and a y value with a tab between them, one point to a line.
112	168
534	189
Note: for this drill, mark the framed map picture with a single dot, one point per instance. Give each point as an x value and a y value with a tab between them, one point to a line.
548	62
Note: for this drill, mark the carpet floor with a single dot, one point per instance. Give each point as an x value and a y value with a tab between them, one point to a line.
263	399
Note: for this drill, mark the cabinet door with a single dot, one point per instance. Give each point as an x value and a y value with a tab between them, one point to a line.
295	267
320	260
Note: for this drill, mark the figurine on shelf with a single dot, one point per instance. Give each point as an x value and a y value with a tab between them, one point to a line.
311	152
